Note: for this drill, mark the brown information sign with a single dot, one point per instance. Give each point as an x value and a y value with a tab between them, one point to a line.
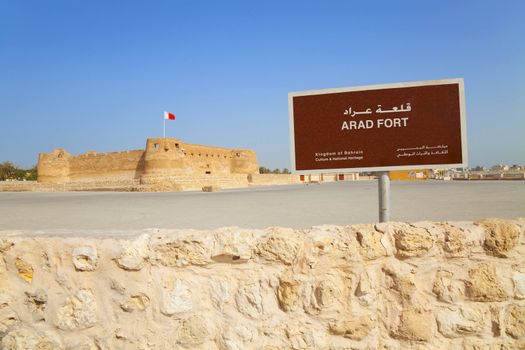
379	127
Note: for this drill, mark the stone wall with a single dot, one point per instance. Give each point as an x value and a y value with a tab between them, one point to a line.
274	179
92	166
161	157
425	285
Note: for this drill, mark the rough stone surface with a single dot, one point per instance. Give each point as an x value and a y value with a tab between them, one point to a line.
136	302
370	241
416	325
25	270
484	285
249	299
280	245
446	288
355	329
134	253
386	286
501	236
518	278
456	243
36	303
288	293
8	316
456	322
177	299
85	258
412	241
181	252
5	244
25	338
78	312
516	321
193	331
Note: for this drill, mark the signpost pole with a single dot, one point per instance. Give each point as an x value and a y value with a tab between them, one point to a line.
384	196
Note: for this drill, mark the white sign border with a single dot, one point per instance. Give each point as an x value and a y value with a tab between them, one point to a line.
462	115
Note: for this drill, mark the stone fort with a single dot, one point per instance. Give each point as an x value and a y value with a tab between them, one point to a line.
166	163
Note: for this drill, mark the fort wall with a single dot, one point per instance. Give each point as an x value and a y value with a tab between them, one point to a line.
163	162
424	285
91	166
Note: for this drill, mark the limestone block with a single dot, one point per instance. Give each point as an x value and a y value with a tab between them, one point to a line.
280	245
366	291
176	300
85	258
355	329
415	324
25	270
446	288
501	236
117	286
135	302
371	246
192	332
238	337
515	321
25	338
220	290
456	322
181	252
400	279
36	302
412	241
483	284
233	245
518	278
134	253
300	337
249	299
288	293
456	243
78	312
330	291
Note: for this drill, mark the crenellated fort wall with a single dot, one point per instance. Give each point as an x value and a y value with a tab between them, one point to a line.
166	163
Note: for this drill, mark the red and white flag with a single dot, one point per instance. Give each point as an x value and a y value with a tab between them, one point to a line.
169	116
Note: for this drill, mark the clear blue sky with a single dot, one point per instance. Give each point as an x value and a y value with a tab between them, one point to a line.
97	75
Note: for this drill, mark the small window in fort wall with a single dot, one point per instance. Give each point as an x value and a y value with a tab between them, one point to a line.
237	154
176	145
208	172
156	146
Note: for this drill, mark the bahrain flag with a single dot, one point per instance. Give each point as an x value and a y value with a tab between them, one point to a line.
169	116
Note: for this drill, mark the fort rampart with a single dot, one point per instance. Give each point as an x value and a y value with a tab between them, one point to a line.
425	285
166	163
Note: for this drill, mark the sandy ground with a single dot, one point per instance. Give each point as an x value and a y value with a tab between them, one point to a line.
297	206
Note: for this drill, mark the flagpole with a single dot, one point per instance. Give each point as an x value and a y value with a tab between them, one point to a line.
164	128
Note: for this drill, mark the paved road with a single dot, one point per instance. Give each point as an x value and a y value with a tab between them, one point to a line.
298	206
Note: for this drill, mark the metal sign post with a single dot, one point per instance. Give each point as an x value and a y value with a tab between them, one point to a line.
384	196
